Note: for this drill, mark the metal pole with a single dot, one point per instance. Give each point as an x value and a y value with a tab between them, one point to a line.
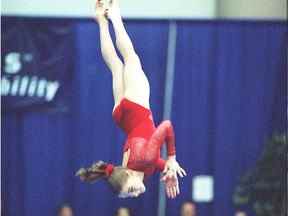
168	97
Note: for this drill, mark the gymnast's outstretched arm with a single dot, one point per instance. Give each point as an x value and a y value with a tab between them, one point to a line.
165	134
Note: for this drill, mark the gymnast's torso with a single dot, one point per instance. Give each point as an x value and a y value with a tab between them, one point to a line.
137	122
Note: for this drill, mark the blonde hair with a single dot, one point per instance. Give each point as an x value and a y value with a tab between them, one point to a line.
118	178
115	177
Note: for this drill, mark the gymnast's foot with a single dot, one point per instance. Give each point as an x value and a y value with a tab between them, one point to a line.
114	10
101	13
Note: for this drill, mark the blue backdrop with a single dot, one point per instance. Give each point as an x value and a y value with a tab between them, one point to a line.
229	96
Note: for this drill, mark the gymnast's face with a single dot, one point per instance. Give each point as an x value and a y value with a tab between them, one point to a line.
133	187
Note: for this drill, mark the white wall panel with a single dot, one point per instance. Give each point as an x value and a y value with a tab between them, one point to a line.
162	9
256	9
130	8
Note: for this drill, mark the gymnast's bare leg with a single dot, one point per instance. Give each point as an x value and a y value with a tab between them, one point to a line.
109	53
137	87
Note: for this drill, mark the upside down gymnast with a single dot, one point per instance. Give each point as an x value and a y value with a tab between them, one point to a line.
131	91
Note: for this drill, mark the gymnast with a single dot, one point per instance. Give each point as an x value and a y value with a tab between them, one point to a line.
131	91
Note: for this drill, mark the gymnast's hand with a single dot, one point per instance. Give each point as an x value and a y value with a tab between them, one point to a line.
172	168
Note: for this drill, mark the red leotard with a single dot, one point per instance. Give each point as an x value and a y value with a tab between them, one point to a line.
143	139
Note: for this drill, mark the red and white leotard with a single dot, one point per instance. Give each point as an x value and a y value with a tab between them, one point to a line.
143	139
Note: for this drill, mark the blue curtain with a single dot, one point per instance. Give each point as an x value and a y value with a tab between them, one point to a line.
229	96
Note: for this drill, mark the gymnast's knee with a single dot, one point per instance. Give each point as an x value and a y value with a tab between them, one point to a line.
132	60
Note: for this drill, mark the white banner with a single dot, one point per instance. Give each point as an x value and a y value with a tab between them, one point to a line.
130	8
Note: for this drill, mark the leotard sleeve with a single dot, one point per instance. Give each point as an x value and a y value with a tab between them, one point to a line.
165	133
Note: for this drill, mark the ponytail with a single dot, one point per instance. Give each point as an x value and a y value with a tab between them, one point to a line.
115	176
98	170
